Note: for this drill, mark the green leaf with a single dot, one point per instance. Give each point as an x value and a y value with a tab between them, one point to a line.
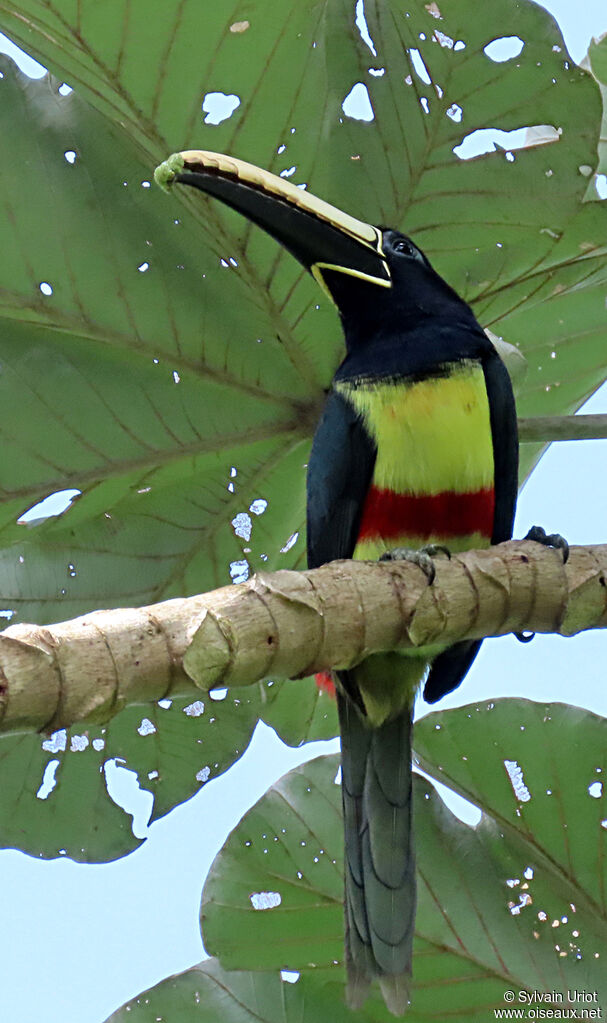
286	852
54	797
209	993
538	770
183	745
496	910
597	54
149	75
299	711
597	59
118	398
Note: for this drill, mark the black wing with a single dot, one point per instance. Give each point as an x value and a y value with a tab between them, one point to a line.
339	476
502	413
451	666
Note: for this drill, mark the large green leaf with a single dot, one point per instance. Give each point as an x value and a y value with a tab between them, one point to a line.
118	398
281	864
55	798
498	906
539	771
208	993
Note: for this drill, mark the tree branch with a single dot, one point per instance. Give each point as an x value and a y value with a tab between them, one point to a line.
288	625
551	428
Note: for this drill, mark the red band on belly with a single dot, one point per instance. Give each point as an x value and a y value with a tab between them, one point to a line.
388	515
324	681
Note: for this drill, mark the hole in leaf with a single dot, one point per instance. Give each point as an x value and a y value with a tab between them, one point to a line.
361	24
420	68
265	900
25	63
54	504
490	140
504	48
194	710
123	789
258	506
239	571
444	40
357	104
515	773
455	112
57	742
242	526
146	727
49	779
290	542
219	106
600	183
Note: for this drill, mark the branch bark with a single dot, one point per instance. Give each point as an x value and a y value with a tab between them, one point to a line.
551	428
289	624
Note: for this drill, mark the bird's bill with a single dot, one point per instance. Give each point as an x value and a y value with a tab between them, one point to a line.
320	236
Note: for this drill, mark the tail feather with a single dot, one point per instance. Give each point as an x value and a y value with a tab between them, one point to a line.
388	802
397	993
380	864
391	919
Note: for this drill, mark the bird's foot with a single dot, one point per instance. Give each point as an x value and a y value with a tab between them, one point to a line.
539	535
423	557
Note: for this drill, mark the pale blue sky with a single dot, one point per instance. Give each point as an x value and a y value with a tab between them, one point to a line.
78	941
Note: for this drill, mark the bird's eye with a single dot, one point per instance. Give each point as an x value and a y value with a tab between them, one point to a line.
401	245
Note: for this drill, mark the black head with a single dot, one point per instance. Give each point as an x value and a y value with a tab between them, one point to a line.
416	292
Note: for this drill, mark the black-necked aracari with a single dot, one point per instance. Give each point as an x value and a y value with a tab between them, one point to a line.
417	445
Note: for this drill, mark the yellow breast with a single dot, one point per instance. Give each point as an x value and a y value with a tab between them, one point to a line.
431	435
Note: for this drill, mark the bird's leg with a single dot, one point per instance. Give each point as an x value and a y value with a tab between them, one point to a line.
539	535
422	557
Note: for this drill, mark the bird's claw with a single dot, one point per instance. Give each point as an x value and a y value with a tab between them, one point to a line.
421	557
539	535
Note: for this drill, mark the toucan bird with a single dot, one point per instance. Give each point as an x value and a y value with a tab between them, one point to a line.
417	445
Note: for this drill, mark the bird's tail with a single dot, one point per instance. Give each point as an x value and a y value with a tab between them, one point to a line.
379	854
